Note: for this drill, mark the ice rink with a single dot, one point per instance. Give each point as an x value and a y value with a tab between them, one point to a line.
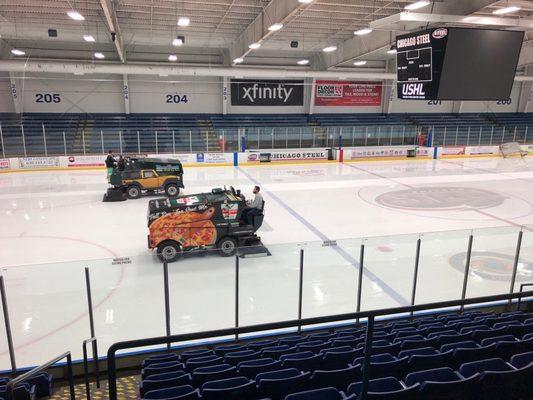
54	224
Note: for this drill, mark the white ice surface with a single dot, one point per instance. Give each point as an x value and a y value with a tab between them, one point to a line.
54	224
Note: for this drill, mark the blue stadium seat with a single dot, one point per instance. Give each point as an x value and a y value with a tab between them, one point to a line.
506	350
22	391
416	344
339	379
376	358
422	351
213	373
221	351
161	368
446	339
205	361
188	354
251	368
395	369
463	389
445	374
162	381
425	362
160	358
336	358
324	336
186	392
277	384
497	339
239	388
462	355
469	344
385	389
474	328
43	384
304	361
292	340
276	352
261	344
317	394
313	345
497	379
479	335
522	360
351	341
238	356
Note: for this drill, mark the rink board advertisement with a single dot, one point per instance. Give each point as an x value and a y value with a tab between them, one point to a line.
38	162
4	163
345	93
383	151
287	155
85	161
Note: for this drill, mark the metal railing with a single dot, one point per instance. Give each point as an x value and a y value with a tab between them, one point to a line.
369	315
19	140
12	384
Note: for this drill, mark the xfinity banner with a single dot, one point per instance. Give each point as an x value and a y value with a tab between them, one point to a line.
252	92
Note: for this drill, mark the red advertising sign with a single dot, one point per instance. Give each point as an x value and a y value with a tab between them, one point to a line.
343	93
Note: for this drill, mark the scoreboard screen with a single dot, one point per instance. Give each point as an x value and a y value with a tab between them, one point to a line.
457	64
415	65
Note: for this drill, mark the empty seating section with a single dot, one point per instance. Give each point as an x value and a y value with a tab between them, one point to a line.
473	355
40	134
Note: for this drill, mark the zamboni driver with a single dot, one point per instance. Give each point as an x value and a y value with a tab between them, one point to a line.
110	164
254	207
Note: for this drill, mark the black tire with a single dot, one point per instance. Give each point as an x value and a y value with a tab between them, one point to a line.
168	251
227	246
133	192
172	190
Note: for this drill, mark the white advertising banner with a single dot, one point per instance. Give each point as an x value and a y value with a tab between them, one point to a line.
38	162
86	161
286	155
384	151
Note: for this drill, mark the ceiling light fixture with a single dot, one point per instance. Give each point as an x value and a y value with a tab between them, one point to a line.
238	60
172	57
99	56
417	4
303	62
359	63
18	52
392	50
506	10
89	38
362	32
177	42
329	49
275	27
255	45
305	1
76	16
184	21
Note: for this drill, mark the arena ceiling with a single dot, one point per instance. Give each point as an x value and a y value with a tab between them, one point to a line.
220	31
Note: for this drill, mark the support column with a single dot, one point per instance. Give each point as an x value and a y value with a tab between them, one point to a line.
225	95
312	97
126	93
525	99
15	92
388	92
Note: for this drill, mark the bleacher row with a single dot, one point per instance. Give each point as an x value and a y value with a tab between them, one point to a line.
36	387
471	355
97	133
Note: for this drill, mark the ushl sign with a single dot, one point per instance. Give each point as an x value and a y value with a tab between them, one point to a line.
249	92
419	60
342	93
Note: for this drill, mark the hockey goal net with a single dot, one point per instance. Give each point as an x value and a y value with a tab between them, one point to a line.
512	149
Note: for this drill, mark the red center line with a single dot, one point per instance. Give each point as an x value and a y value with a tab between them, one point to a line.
379	176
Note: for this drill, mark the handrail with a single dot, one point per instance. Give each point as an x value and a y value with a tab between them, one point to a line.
94	341
522	286
111	353
14	382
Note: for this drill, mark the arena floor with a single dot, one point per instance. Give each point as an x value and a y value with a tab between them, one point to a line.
54	224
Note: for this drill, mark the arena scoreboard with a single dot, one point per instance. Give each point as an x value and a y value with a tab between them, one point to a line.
457	64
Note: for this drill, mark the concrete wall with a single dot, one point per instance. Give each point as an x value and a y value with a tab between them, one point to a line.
67	93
